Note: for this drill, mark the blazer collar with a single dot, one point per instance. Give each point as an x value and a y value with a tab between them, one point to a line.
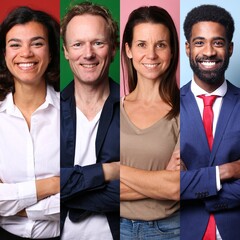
229	102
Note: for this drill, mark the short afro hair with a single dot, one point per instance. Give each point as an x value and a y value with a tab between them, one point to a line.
209	13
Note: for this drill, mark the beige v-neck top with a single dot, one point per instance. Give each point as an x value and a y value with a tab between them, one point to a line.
149	149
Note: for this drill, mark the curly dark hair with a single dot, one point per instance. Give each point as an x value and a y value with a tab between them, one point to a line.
168	88
22	15
209	13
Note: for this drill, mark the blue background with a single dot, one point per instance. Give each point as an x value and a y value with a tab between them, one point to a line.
233	71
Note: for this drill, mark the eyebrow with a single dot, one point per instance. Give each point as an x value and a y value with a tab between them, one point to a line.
202	38
32	39
163	40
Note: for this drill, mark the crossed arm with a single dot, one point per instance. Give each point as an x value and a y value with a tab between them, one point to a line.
92	188
138	184
37	200
203	181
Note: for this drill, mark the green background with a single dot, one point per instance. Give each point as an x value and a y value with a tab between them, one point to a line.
65	71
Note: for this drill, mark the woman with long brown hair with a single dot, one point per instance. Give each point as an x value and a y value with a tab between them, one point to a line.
150	159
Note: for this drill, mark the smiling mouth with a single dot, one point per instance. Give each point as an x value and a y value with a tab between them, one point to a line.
26	66
150	65
89	65
209	63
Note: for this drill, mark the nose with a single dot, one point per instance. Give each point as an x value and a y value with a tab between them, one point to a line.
89	51
26	52
209	50
151	52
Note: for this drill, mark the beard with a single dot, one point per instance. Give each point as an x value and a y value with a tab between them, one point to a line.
211	77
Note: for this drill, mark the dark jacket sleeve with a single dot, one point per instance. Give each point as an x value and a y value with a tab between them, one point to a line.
227	198
101	200
77	180
198	184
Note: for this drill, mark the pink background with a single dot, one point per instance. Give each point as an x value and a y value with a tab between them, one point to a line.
127	6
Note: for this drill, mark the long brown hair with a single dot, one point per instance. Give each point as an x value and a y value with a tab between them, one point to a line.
168	88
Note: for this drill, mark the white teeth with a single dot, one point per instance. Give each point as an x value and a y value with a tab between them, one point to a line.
89	65
208	64
25	65
148	65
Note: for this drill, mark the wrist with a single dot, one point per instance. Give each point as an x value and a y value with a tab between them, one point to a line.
225	172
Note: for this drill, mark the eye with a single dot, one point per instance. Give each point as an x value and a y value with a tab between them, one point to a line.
141	45
77	45
198	43
98	44
218	43
14	45
37	44
161	45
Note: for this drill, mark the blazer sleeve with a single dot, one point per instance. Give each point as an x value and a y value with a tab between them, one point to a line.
77	180
101	200
227	198
198	184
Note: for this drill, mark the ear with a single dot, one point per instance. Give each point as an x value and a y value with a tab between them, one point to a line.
230	49
65	52
128	50
187	48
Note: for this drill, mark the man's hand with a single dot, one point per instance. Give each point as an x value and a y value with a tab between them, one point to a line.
47	187
230	170
111	171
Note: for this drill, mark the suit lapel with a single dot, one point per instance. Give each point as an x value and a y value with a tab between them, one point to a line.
107	115
229	102
193	118
104	123
68	124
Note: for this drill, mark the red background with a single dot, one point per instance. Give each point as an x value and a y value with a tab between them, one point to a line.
50	6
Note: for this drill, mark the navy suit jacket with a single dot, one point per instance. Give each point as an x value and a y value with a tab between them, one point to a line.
199	196
83	189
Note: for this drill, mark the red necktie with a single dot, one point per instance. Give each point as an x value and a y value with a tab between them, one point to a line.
210	233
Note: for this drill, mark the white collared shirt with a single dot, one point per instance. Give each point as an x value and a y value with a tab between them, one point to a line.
25	156
220	92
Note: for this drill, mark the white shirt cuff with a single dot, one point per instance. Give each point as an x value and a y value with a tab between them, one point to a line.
218	182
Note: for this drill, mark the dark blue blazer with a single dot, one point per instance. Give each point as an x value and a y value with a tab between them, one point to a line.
83	189
199	196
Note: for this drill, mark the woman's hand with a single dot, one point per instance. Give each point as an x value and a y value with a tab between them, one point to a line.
22	213
175	162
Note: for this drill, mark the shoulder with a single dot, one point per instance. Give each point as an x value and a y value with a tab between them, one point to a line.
114	89
232	88
186	88
7	102
68	91
175	122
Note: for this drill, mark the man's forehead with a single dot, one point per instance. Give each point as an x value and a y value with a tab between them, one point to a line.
208	28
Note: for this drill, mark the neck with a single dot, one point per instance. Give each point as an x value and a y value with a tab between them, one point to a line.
147	91
91	98
28	97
